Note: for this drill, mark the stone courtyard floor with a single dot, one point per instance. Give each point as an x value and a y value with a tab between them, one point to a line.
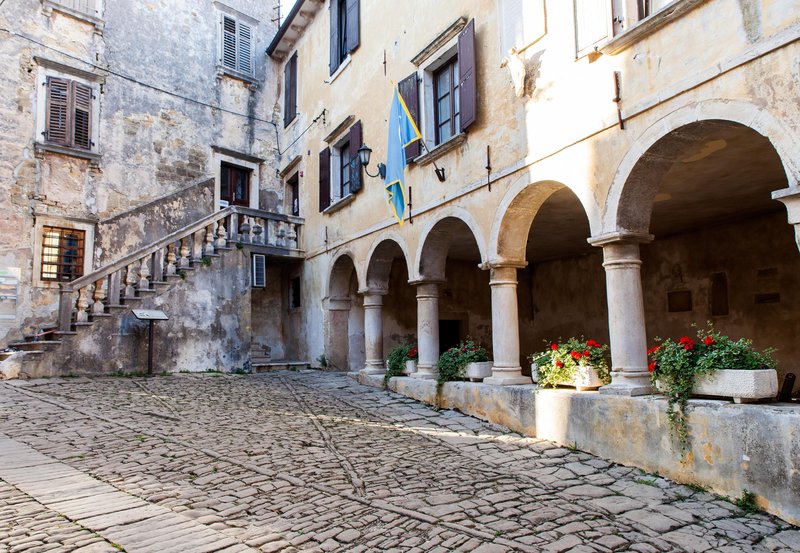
314	461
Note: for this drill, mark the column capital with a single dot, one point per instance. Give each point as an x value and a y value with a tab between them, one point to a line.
621	237
503	264
421	281
373	291
790	197
338	304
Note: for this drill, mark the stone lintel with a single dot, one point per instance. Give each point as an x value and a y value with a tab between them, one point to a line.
621	236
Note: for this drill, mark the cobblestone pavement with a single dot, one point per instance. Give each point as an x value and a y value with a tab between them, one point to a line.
313	461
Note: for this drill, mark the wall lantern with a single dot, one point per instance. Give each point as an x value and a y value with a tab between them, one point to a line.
364	152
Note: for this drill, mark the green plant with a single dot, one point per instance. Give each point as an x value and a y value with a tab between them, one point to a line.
561	362
396	360
452	363
205	261
322	360
747	502
697	488
675	365
239	246
182	274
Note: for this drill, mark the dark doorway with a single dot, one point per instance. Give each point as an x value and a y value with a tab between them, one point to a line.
235	185
449	334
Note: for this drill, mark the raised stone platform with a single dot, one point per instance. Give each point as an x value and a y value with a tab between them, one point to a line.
733	447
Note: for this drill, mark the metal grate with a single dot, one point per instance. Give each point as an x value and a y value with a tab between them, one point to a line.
62	253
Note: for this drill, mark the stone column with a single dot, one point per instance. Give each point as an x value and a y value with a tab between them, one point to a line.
373	331
506	369
427	328
626	324
790	197
337	333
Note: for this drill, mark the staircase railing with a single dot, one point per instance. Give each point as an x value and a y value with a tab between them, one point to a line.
128	277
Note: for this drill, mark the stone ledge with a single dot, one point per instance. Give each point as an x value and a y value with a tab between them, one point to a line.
734	447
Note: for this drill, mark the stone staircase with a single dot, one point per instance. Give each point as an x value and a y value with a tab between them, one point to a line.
261	361
136	280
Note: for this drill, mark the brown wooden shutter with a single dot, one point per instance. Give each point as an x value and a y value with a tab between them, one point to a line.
58	117
353	24
467	85
356	174
228	42
409	90
334	59
324	179
293	86
290	90
82	119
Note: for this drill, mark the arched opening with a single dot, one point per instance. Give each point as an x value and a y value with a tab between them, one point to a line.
451	254
722	250
387	271
344	348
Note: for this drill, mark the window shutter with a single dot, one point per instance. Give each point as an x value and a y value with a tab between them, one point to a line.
591	22
356	177
290	92
57	123
353	24
409	90
245	55
82	119
228	42
334	59
467	85
259	275
324	179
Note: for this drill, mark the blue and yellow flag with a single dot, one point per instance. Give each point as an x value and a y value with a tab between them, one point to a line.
402	132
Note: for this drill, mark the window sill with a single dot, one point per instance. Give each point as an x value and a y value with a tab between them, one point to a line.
223	71
41	148
339	204
340	69
649	25
48	6
451	144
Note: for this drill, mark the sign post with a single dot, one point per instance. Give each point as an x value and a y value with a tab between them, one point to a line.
151	316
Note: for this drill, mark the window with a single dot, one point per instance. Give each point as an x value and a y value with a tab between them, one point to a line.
340	173
294	293
344	30
235	184
649	7
258	275
68	113
592	24
445	107
236	48
293	192
90	11
290	90
62	254
88	7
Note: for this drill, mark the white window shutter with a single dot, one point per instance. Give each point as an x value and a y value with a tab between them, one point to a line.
591	22
245	55
228	42
259	275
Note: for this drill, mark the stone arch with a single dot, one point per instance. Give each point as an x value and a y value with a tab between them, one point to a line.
344	328
436	238
380	257
629	202
343	266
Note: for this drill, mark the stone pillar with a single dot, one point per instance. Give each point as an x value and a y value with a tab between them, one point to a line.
790	197
626	324
337	333
373	331
427	328
506	369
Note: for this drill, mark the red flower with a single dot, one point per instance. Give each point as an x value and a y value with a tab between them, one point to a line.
592	344
413	352
688	343
652	366
553	347
464	349
474	349
575	355
559	364
652	350
708	340
586	354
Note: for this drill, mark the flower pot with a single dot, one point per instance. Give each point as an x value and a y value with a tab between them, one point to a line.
411	366
535	373
742	386
477	371
586	378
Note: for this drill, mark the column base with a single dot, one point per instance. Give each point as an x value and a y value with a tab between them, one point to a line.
424	374
508	380
372	370
628	384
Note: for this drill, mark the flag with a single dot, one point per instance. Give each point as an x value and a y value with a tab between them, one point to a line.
402	132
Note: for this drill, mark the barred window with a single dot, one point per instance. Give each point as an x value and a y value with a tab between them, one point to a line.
62	253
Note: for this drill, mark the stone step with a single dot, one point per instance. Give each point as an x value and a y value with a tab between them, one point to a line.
279	365
40	345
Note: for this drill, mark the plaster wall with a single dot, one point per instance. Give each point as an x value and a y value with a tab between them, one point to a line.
269	309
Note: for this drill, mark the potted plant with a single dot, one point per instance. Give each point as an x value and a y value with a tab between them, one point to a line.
411	360
711	365
398	359
467	360
573	362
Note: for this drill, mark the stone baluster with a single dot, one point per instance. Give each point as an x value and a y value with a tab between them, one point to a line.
222	234
130	281
208	248
171	258
291	236
144	273
84	303
98	307
157	260
114	287
233	227
280	235
183	260
197	245
244	230
258	230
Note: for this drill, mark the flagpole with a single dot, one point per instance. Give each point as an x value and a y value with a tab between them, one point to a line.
439	172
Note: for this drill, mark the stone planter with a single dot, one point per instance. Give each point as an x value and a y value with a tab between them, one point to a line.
742	386
535	373
476	372
411	367
586	378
